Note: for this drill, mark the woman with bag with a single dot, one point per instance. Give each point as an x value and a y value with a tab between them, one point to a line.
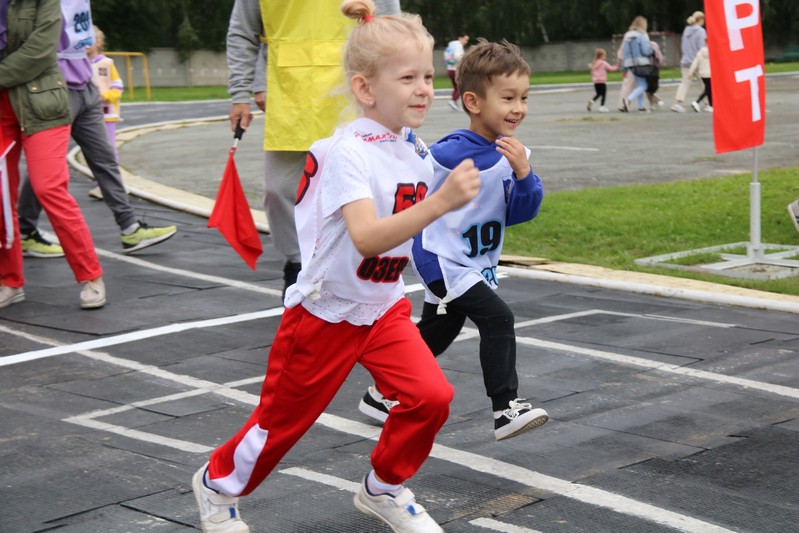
34	114
637	52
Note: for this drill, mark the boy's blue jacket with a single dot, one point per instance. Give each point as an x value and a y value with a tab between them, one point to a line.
464	246
523	198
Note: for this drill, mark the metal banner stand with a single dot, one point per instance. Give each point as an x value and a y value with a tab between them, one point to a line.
756	264
755	254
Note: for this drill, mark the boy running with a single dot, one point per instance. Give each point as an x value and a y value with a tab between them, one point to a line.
457	255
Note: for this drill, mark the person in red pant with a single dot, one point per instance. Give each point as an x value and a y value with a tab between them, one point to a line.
360	202
34	115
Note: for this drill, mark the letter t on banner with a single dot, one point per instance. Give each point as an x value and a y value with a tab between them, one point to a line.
735	44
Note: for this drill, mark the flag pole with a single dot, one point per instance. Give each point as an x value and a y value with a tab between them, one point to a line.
755	244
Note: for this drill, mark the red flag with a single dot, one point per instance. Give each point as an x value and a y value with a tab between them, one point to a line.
735	44
232	216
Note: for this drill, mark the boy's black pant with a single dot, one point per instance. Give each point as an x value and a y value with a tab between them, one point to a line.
495	322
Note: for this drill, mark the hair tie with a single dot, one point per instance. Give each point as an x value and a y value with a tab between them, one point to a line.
368	18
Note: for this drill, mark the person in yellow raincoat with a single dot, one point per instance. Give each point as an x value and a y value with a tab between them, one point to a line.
303	44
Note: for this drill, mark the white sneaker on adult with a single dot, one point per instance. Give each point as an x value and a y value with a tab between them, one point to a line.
603	109
400	512
218	513
696	107
677	108
10	295
92	295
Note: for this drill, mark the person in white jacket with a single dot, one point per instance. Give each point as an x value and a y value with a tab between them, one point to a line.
701	68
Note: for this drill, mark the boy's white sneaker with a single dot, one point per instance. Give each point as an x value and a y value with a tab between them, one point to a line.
517	418
218	513
400	512
374	405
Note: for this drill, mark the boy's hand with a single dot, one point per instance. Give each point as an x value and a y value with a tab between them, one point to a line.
461	186
516	155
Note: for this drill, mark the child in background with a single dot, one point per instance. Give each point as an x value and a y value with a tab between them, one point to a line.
106	78
360	201
701	68
457	255
599	75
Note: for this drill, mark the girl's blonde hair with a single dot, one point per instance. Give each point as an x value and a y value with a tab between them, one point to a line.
599	54
639	24
374	38
99	38
695	18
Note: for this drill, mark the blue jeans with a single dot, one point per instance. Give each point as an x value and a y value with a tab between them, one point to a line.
638	92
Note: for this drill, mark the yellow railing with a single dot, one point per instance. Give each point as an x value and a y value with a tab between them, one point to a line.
129	69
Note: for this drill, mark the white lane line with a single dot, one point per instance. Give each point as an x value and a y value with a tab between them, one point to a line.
591	312
530	478
60	349
324	479
495	525
140	435
589	495
190	274
771	388
466	333
351	486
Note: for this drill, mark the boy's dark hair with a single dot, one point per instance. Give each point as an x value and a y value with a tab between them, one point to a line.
484	61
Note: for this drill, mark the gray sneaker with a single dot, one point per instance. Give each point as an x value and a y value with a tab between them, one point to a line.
92	295
218	513
10	295
401	512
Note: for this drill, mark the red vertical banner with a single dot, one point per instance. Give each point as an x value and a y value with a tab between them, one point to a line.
735	45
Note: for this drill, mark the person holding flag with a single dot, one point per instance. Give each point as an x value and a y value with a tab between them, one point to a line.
295	97
38	122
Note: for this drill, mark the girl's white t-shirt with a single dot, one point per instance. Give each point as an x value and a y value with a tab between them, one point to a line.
362	160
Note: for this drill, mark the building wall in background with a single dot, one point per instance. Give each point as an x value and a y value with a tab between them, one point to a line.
210	68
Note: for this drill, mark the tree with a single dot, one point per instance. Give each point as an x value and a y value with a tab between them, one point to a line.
140	25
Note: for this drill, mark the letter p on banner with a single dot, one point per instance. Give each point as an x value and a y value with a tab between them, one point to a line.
735	45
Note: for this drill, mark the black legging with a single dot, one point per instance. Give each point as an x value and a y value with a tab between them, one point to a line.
706	92
601	90
494	320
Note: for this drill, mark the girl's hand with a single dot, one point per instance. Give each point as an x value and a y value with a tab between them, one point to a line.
516	155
